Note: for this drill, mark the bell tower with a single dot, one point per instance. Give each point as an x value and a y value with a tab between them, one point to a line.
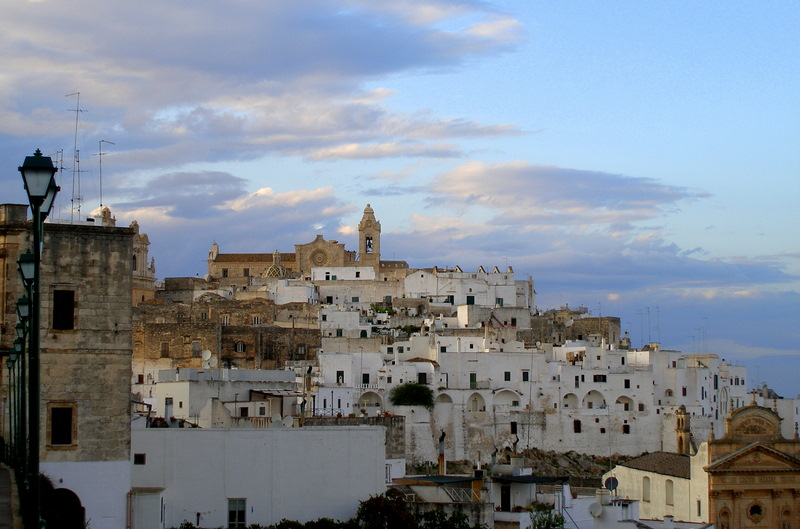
369	240
683	431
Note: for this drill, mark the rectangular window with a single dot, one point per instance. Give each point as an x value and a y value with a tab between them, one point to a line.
256	320
470	300
355	299
246	272
324	317
338	333
400	349
62	424
526	376
240	347
140	379
422	378
224	272
164	349
225	319
473	381
236	513
576	426
262	411
358	274
498	302
443	348
244	412
507	376
63	310
451	300
627	383
599	378
204	315
340	377
195	349
626	428
365	378
139	459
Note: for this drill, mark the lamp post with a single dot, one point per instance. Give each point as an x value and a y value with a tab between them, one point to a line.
38	175
11	443
21	449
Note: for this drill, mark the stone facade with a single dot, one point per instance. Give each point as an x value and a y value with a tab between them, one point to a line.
86	286
754	472
250	334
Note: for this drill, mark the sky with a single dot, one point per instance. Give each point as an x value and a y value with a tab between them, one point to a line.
640	159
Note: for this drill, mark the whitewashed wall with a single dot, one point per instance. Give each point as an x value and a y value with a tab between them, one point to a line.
294	473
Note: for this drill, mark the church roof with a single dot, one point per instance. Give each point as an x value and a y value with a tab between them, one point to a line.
251	257
667	463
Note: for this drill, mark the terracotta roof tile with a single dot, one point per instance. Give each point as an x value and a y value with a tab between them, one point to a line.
667	463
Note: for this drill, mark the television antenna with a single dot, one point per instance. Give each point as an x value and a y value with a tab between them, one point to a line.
100	159
76	163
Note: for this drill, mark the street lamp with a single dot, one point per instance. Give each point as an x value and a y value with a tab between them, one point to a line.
23	309
38	174
26	268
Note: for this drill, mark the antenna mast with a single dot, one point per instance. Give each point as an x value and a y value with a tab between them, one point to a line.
100	159
76	163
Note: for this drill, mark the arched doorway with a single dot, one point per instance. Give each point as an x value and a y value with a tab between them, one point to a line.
61	508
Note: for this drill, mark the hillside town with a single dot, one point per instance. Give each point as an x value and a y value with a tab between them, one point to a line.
294	385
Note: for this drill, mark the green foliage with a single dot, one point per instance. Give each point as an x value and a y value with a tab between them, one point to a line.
387	511
410	329
411	394
546	520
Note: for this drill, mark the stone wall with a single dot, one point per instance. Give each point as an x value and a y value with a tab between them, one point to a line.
395	429
87	366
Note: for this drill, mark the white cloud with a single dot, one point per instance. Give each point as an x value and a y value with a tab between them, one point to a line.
266	197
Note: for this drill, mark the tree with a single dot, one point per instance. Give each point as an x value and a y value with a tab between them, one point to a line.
439	520
411	394
387	511
546	520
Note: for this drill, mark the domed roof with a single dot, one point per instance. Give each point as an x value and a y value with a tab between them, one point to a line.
277	269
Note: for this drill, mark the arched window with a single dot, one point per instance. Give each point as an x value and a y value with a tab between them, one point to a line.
645	489
669	490
133	263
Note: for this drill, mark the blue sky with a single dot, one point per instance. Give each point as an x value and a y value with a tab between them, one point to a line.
640	159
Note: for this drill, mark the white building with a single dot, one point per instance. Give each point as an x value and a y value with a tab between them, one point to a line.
212	476
491	392
196	396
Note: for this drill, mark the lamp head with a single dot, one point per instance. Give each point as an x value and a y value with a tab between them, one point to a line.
23	308
26	265
18	346
19	328
37	173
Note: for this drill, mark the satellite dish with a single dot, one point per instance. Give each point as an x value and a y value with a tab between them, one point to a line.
206	355
595	509
276	421
611	483
288	421
209	363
